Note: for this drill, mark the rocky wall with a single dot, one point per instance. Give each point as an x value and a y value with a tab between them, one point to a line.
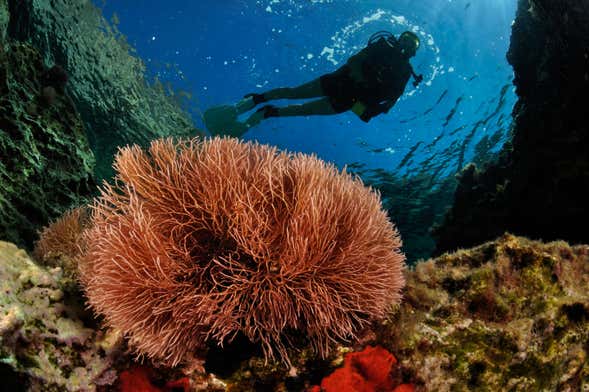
4	17
540	186
46	165
107	82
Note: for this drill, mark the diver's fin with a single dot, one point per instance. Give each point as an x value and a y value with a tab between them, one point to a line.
222	120
246	104
257	98
268	111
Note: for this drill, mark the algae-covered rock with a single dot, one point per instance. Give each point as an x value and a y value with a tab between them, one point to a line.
46	164
107	82
42	335
512	314
508	315
50	343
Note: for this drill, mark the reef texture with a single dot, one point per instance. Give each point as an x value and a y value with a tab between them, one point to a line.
48	341
509	315
107	82
46	165
512	314
540	186
42	337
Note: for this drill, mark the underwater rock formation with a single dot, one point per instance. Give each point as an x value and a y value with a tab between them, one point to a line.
49	342
512	314
42	337
107	83
46	165
4	17
540	186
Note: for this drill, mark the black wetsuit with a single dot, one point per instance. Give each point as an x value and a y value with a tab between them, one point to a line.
386	71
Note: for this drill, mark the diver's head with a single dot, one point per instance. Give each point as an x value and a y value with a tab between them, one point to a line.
408	43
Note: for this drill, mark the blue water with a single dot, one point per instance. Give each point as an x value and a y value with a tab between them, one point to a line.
219	50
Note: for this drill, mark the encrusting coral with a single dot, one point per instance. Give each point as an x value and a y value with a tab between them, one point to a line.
42	334
204	240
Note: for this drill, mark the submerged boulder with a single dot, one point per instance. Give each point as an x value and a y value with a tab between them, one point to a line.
42	337
511	314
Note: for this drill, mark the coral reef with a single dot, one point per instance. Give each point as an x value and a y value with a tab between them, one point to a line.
512	314
42	334
46	164
205	240
540	185
107	82
48	342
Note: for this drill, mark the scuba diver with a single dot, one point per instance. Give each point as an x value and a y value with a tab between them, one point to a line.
369	84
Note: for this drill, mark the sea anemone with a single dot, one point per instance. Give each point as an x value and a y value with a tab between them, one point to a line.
202	240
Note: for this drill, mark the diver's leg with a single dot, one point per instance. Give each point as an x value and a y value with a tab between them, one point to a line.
318	107
311	89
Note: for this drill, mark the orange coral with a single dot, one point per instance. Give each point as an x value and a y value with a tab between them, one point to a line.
369	370
137	379
204	240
